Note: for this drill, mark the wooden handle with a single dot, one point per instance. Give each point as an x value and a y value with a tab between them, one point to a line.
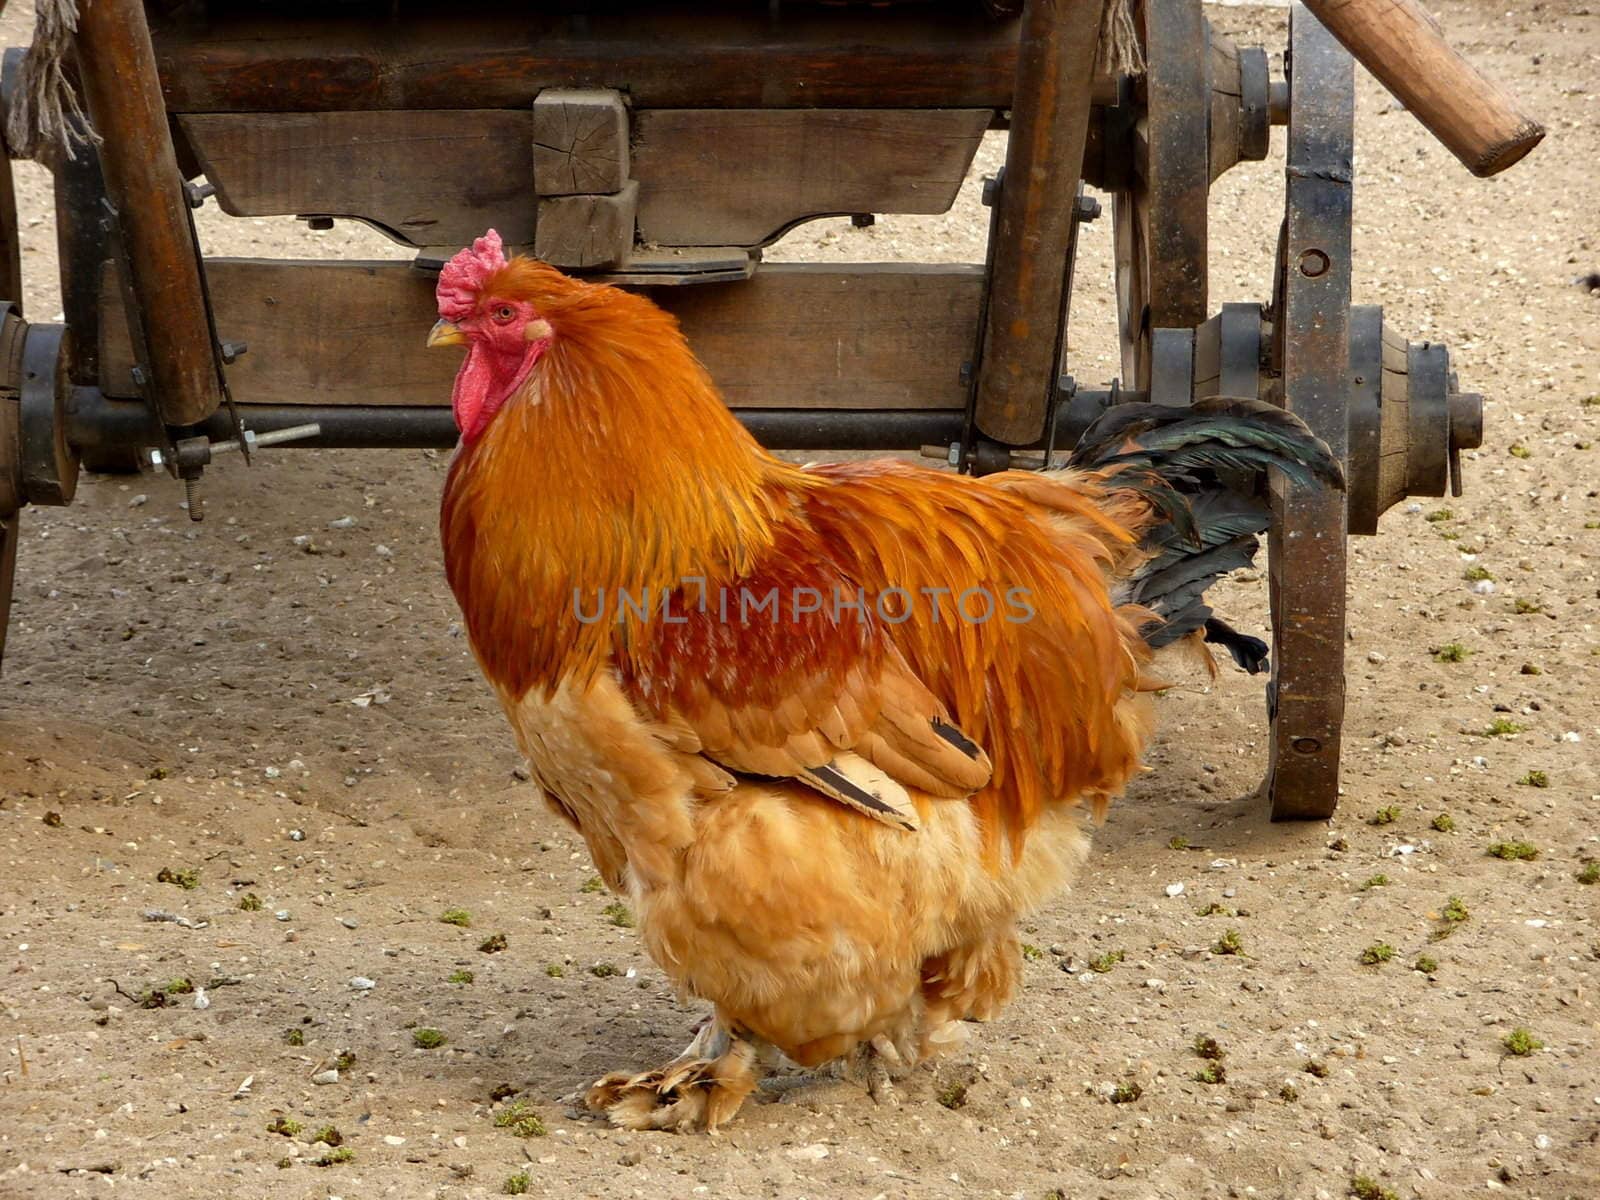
1398	42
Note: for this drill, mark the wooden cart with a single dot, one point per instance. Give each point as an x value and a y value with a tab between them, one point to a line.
661	146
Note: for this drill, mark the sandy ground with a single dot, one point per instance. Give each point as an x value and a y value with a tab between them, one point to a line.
285	706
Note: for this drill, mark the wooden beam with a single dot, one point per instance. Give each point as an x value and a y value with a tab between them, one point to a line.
667	55
432	177
117	64
580	141
742	178
794	336
1044	161
707	177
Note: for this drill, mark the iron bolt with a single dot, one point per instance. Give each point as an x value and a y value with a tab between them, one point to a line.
198	193
1087	209
139	376
322	223
991	190
862	220
233	351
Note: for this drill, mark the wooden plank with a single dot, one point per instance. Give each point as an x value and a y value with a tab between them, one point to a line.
707	177
1177	178
588	230
717	176
430	177
580	141
886	335
1027	306
668	55
880	335
116	63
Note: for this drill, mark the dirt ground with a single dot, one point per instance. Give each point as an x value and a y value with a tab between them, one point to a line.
280	700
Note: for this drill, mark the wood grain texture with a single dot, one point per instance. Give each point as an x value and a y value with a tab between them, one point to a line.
580	141
707	177
1479	121
1026	315
668	55
430	177
586	231
719	176
116	62
800	336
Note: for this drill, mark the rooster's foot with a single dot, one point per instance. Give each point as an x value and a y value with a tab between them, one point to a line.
701	1089
884	1063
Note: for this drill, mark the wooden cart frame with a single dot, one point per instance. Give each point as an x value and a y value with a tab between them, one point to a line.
661	148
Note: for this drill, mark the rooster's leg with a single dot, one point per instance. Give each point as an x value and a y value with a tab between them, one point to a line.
700	1089
883	1064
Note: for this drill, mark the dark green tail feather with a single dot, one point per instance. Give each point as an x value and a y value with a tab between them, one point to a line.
1188	463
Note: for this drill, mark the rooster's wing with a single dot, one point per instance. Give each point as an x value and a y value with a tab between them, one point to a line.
789	672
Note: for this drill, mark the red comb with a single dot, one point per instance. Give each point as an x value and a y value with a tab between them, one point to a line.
464	275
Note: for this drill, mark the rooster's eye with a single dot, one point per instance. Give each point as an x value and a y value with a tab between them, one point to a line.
504	313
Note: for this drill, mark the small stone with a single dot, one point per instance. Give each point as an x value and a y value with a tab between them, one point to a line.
297	835
1156	985
282	914
362	984
349	922
272	772
201	1000
139	501
1484	587
342	523
1174	889
815	1152
390	1139
331	1075
1376	658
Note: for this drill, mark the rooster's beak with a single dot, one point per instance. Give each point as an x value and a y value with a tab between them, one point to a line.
446	334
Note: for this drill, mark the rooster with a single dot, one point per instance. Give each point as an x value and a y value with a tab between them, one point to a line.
829	729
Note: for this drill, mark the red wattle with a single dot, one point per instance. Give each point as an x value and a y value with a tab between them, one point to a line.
486	381
473	383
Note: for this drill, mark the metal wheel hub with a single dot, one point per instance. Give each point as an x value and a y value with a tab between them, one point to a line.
37	465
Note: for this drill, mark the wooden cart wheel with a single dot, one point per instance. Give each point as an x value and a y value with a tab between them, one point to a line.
11	488
1310	360
1160	218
